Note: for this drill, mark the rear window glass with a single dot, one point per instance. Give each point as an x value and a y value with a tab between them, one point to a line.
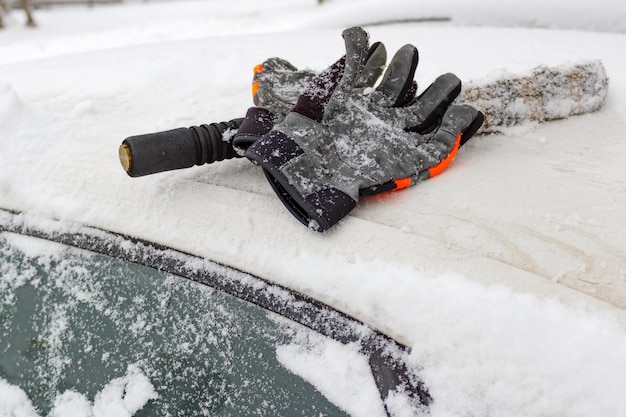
80	329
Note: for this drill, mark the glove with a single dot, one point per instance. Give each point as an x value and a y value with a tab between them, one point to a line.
343	139
276	86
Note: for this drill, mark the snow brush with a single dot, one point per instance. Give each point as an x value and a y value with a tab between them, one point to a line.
178	148
543	94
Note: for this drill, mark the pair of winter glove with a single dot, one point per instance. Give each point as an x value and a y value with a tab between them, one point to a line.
345	138
323	140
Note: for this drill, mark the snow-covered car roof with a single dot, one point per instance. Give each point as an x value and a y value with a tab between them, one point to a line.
490	273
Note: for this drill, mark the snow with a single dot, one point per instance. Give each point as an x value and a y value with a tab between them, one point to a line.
506	274
340	373
14	401
121	397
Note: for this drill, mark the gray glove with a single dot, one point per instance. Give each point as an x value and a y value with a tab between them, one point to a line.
276	86
344	138
277	83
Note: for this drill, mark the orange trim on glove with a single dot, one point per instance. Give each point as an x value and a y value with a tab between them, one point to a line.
255	85
441	166
402	183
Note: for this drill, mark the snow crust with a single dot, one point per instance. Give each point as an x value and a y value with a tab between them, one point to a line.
506	275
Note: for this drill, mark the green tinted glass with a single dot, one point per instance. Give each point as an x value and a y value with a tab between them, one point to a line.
73	321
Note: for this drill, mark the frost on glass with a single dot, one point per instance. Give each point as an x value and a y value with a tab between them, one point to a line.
77	324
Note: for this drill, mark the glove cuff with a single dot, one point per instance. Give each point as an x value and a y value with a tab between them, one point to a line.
258	121
322	205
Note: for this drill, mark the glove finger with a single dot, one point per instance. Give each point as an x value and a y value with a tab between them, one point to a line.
269	74
433	102
277	84
398	78
409	96
337	80
357	50
443	144
374	65
272	68
473	128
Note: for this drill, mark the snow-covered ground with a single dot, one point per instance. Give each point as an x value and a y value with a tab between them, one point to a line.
506	275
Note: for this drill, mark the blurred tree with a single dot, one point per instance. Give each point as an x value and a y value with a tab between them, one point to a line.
6	7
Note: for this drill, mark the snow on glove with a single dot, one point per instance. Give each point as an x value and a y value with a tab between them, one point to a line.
343	139
277	83
276	86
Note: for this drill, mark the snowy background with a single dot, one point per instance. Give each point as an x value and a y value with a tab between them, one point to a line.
506	275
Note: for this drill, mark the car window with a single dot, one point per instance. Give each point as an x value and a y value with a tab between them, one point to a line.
81	305
78	322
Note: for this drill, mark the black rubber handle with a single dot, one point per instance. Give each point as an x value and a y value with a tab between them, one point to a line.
178	148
